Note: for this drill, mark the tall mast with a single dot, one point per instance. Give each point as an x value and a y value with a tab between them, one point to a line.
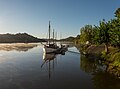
53	36
60	38
49	32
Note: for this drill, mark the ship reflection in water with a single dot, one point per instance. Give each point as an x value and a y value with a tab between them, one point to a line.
48	58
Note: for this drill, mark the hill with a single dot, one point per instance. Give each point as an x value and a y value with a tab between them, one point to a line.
71	39
19	38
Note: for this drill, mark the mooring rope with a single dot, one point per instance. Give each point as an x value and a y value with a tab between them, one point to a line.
73	52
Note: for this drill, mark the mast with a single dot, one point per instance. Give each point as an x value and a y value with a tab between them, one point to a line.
49	33
60	38
53	36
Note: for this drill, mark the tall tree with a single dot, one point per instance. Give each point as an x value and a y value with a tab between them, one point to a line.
86	33
115	29
95	35
104	33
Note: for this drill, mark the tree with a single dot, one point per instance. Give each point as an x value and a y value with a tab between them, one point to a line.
107	33
115	29
86	34
117	13
104	37
114	33
96	35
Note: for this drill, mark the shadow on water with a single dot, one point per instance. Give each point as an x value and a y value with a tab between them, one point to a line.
100	77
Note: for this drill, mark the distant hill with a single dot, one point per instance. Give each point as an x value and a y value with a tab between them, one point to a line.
70	39
19	38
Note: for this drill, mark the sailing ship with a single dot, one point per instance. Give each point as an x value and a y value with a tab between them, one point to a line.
51	47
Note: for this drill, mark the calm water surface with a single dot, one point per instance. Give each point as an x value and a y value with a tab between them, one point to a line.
27	70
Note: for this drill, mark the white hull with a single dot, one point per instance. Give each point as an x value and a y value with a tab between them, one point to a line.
49	50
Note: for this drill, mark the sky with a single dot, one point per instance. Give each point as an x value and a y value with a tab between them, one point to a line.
66	16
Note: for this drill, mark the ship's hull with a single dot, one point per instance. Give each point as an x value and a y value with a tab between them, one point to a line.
49	50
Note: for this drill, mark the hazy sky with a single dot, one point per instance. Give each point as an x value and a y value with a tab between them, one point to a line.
66	16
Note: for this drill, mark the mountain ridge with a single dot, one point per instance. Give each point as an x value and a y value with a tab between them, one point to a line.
19	38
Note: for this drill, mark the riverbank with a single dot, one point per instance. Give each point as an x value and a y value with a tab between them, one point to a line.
91	49
110	59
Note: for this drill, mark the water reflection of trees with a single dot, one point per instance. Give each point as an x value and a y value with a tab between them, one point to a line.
17	47
89	64
101	78
104	80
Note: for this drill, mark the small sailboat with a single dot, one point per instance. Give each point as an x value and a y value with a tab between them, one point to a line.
50	47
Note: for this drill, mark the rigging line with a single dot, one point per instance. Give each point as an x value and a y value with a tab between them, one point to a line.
47	35
73	52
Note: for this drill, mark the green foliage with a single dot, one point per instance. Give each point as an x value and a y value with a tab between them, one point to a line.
96	37
114	55
104	55
104	32
86	34
115	32
117	13
108	32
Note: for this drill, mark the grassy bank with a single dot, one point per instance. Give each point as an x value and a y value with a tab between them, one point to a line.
112	60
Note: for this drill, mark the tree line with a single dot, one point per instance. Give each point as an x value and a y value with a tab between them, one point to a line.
107	32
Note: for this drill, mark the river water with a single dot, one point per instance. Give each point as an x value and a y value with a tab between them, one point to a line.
31	69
